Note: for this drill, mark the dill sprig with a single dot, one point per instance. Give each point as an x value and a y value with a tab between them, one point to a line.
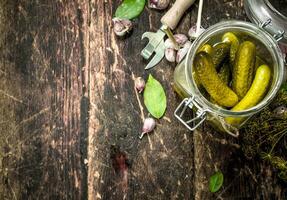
265	135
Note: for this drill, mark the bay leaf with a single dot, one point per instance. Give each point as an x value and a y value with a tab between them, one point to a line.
154	97
130	9
215	182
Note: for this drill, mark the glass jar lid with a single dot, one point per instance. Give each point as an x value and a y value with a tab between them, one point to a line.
269	14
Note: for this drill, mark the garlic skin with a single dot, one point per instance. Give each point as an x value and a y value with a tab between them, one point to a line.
139	84
148	126
121	26
170	54
158	4
183	51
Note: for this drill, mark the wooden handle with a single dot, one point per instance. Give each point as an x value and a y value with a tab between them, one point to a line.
174	14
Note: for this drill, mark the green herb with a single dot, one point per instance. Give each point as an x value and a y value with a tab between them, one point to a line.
284	87
130	9
154	97
266	134
215	182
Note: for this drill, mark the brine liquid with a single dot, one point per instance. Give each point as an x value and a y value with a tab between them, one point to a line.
261	49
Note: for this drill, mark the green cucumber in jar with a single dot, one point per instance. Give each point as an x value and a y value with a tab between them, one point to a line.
219	53
232	39
211	81
243	68
254	95
224	74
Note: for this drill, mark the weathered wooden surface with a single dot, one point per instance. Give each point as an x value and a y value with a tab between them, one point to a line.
43	101
159	166
70	117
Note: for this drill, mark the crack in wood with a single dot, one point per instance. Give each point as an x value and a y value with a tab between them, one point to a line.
11	96
138	99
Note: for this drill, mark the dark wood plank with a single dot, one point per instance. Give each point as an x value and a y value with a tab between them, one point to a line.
159	166
43	102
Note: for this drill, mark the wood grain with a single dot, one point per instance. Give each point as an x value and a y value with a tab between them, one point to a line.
43	100
70	115
159	166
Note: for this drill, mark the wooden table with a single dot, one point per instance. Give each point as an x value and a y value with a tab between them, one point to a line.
70	116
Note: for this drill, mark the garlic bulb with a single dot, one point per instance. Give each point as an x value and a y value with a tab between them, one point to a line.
182	51
139	84
281	110
168	44
181	39
148	126
121	26
170	54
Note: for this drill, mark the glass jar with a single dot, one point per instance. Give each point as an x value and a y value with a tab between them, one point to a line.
204	110
272	11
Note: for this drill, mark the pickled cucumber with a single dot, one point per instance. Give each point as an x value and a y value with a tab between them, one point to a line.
206	48
257	89
218	90
224	74
255	94
219	53
243	68
196	80
234	44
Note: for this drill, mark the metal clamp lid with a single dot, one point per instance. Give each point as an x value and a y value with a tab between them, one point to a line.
194	122
279	35
265	14
199	117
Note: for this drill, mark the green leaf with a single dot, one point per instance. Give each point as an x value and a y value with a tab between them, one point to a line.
215	182
154	97
130	9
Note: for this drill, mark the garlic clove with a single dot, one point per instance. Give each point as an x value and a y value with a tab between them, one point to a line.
183	51
181	39
121	26
170	54
139	84
148	126
192	32
158	4
169	44
281	110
